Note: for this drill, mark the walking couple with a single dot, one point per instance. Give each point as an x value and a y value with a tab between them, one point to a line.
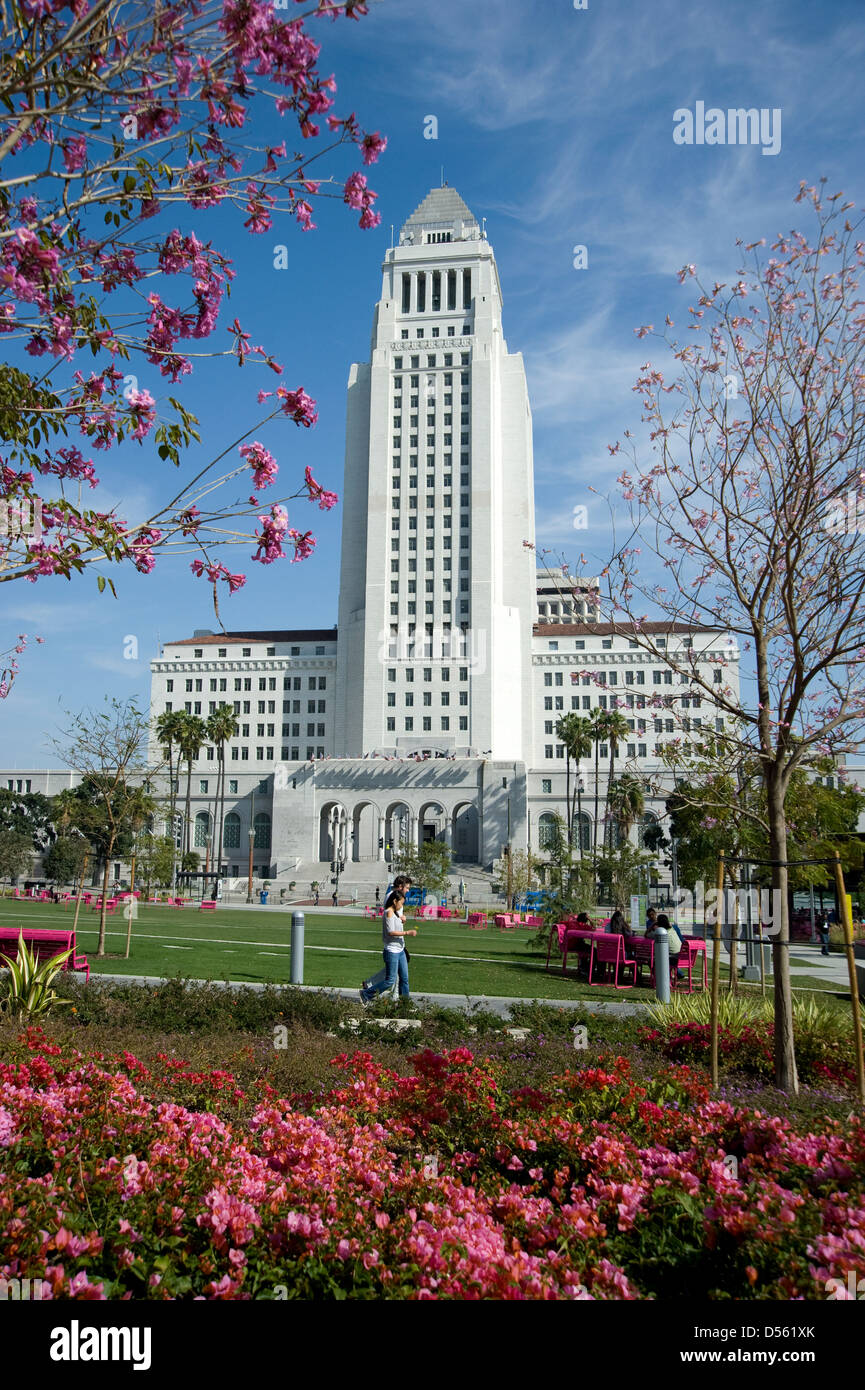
393	934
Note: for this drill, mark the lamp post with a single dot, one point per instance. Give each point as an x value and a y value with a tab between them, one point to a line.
508	846
251	842
177	832
337	844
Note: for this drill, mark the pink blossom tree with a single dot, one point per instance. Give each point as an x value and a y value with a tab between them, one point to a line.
754	505
116	117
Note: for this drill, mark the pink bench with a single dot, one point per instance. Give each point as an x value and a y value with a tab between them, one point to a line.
206	906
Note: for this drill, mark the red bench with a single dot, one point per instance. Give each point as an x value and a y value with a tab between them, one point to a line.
207	906
44	944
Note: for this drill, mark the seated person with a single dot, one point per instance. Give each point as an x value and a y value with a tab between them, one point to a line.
651	923
674	938
617	924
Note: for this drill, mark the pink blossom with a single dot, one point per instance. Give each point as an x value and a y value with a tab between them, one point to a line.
263	464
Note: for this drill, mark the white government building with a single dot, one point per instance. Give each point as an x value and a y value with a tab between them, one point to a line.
430	709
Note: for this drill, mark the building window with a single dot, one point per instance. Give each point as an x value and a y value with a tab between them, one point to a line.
261	827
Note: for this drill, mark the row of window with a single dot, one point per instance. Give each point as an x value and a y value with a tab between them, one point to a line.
446	519
202	831
447	419
442	284
247	651
443	698
607	642
245	683
427	675
431	361
434	331
410	542
266	753
426	723
632	750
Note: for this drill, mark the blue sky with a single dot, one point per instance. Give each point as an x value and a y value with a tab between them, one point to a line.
556	125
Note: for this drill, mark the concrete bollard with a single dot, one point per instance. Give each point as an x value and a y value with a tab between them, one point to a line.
662	965
297	920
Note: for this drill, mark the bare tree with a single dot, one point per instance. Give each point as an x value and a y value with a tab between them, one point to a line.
109	747
755	506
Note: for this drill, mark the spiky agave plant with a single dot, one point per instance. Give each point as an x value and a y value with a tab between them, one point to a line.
30	989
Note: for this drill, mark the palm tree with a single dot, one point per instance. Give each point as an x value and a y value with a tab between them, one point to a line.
565	733
221	726
169	727
581	742
192	736
616	728
627	802
597	724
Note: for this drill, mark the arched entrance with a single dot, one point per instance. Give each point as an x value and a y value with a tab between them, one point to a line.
364	827
465	833
397	830
332	831
432	822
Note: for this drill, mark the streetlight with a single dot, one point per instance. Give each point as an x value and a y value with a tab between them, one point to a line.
251	842
337	841
508	846
177	834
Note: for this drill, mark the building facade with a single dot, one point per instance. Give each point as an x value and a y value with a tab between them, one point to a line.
431	709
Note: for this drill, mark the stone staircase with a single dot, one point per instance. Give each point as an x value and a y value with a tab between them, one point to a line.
362	878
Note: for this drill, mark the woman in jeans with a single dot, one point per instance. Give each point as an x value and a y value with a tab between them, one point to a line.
393	935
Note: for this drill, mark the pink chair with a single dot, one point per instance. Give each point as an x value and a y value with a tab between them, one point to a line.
477	921
609	952
643	952
688	957
557	934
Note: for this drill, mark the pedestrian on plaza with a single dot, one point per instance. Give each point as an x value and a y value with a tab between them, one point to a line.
393	932
377	895
823	933
334	898
462	890
401	884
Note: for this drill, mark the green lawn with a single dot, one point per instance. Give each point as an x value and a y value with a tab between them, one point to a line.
246	946
340	950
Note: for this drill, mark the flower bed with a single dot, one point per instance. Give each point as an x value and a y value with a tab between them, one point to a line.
435	1185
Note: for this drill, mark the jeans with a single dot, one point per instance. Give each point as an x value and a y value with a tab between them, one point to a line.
395	964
